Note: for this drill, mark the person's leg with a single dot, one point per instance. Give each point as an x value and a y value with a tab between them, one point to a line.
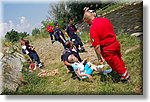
112	56
80	43
88	69
51	36
37	59
116	64
79	40
63	43
94	67
76	44
120	57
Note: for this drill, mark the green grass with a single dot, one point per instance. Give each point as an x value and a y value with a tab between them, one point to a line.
109	8
102	85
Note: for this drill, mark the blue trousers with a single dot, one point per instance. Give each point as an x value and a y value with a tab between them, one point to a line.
77	41
34	57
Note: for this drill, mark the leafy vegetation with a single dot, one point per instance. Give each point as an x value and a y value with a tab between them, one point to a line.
102	85
14	36
62	82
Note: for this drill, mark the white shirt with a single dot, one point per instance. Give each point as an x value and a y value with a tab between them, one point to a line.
24	47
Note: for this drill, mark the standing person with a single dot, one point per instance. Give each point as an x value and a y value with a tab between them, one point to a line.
103	39
30	51
50	30
59	36
71	31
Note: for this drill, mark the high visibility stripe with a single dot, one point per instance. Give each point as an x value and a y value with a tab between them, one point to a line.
126	76
124	73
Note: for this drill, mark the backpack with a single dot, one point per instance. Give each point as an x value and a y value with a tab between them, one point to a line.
50	28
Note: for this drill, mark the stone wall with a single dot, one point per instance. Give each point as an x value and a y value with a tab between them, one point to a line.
127	19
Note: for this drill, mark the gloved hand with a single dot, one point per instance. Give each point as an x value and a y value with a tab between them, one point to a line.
80	33
75	67
69	38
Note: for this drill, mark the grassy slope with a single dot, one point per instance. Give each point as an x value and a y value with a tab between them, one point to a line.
63	84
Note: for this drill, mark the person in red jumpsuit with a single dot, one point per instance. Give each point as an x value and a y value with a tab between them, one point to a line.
103	39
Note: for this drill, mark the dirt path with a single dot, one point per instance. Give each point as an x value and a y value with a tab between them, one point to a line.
50	53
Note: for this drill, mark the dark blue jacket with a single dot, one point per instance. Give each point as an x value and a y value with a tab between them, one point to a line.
71	29
57	33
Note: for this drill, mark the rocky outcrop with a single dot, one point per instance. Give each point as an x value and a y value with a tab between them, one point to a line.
12	63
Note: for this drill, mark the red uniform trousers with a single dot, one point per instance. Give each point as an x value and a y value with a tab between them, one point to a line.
112	55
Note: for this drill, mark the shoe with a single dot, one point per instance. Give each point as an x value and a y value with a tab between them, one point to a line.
40	65
82	49
125	80
53	41
105	72
99	68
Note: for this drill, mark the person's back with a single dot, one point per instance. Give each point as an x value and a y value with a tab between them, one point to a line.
103	29
71	30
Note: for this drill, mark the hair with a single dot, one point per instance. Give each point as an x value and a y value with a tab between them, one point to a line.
68	44
70	58
24	42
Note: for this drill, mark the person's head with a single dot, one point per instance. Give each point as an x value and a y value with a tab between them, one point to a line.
72	58
89	15
69	44
56	24
71	20
24	42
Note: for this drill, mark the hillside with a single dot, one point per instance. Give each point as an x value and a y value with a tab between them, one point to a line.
62	83
126	17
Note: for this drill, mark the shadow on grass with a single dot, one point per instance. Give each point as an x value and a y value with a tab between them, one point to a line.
111	76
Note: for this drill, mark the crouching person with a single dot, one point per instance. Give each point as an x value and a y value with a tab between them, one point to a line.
30	51
68	51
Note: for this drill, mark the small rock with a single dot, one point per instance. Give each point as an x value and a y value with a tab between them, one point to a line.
136	34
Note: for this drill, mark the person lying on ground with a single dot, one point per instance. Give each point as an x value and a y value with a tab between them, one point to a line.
85	71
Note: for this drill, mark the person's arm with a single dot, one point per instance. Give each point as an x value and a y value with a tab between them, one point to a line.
66	34
62	38
67	63
95	40
84	60
98	53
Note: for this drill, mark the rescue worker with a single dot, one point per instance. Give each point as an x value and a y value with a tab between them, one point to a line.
70	49
103	39
50	30
59	36
71	31
30	51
